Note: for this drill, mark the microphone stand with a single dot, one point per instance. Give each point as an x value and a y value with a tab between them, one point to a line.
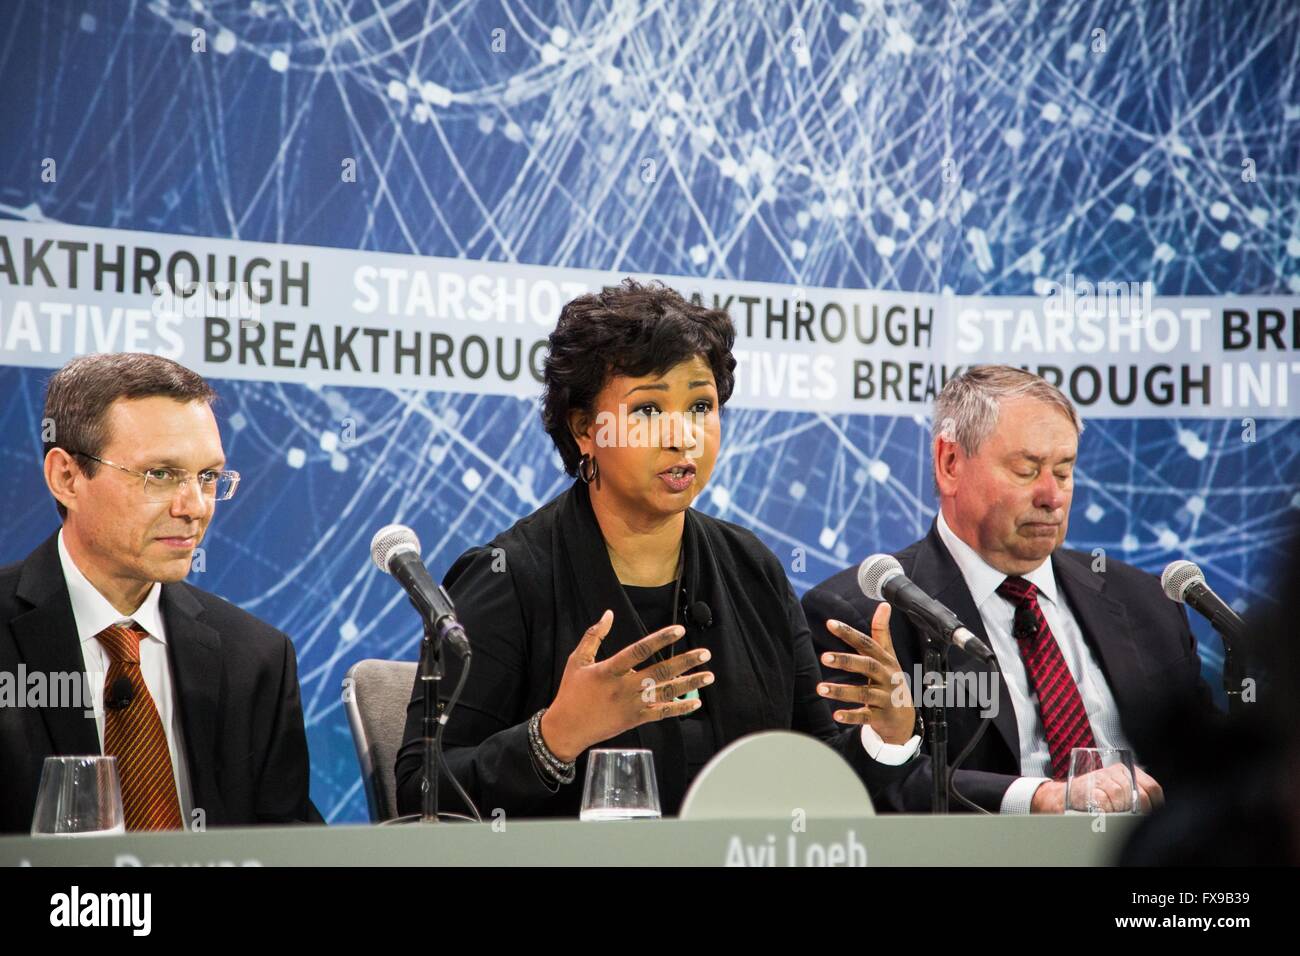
431	685
1233	676
936	721
430	675
1230	629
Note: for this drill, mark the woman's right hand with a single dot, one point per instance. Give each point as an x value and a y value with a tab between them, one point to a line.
598	700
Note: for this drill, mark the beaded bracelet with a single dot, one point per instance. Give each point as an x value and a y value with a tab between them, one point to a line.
562	771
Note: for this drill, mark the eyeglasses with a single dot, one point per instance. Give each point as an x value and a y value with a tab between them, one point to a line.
161	484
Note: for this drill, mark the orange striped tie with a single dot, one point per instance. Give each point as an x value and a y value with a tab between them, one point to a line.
134	735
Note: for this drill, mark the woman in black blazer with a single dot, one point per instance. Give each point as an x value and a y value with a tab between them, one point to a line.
590	618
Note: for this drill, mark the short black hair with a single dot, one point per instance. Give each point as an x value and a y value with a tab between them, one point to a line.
631	329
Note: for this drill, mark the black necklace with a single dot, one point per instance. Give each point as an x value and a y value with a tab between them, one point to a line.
677	600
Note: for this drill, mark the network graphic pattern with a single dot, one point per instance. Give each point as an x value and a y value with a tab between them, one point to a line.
982	147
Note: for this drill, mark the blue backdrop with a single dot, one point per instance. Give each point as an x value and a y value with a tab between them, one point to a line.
788	142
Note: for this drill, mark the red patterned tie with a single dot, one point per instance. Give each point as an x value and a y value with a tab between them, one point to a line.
1065	721
134	735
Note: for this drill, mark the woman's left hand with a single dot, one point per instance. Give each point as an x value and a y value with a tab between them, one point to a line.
886	699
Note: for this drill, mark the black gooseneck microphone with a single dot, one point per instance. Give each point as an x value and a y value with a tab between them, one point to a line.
1184	583
881	578
396	550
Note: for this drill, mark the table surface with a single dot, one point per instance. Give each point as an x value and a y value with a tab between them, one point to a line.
893	840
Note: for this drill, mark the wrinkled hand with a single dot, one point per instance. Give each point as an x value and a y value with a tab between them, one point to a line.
1107	789
598	700
886	699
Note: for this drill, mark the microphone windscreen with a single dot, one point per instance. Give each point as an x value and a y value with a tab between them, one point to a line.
701	614
1024	625
1178	576
874	572
390	540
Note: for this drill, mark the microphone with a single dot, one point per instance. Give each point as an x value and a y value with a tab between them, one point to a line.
881	578
1184	582
396	550
699	614
1024	625
120	694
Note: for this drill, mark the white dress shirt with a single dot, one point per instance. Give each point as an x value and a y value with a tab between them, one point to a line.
93	613
998	615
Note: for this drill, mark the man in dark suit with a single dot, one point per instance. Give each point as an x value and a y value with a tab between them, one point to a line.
1089	648
197	699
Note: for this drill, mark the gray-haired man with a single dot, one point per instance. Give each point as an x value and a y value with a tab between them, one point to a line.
1088	651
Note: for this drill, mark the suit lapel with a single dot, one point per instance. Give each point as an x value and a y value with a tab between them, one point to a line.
194	653
47	641
1105	627
937	574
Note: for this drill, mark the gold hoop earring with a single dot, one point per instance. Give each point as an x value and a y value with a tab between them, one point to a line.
583	463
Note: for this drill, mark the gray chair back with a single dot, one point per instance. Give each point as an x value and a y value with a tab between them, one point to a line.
375	694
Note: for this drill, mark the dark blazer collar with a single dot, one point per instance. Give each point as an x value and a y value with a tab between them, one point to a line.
579	537
1103	621
194	652
46	635
41	579
1105	625
936	573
